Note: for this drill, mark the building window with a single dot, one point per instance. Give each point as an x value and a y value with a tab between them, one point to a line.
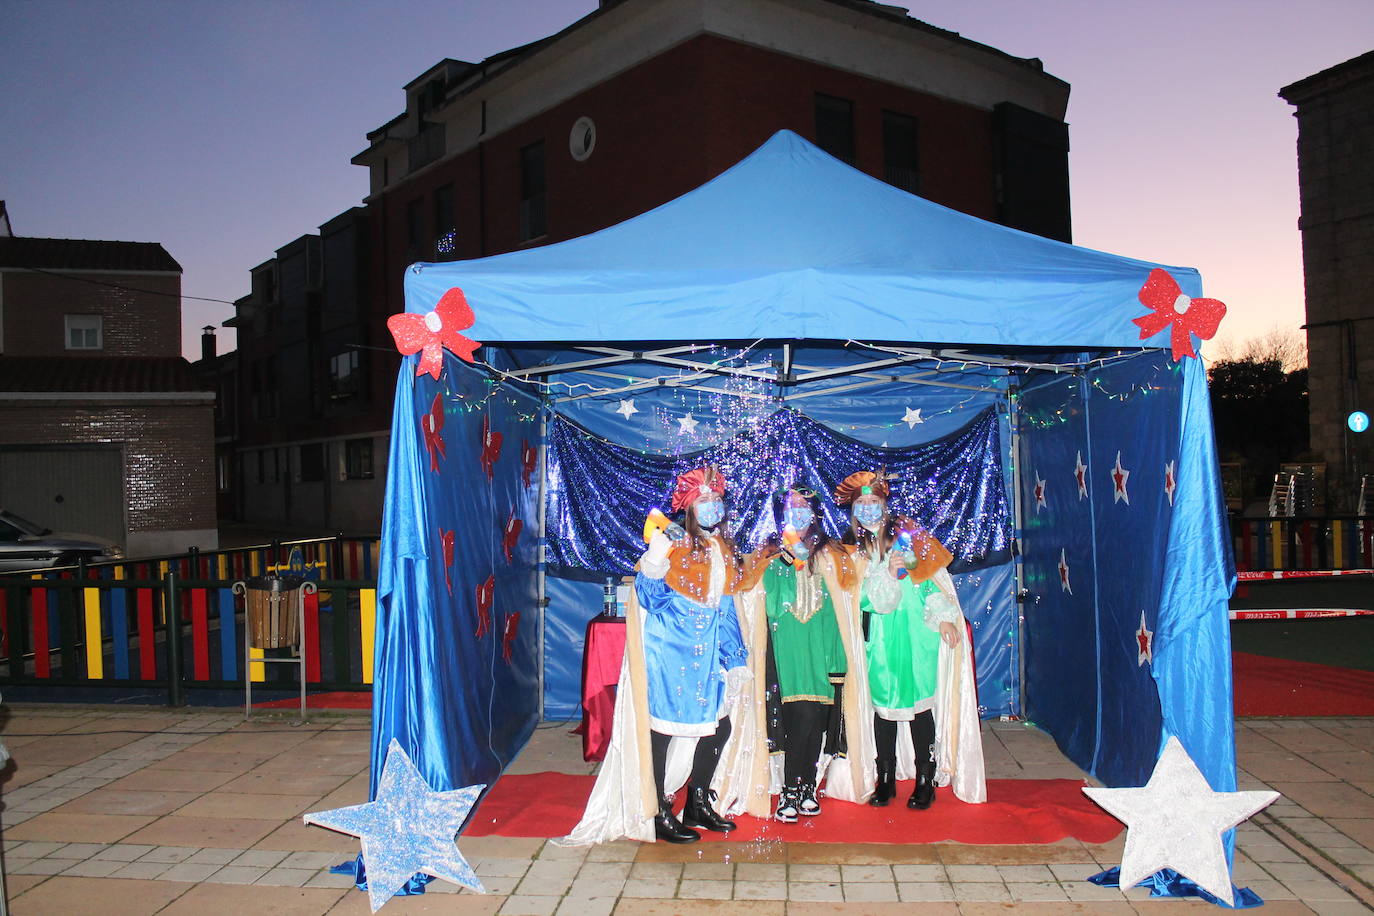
445	230
264	390
415	226
224	473
901	162
312	463
533	193
344	377
358	459
835	126
83	332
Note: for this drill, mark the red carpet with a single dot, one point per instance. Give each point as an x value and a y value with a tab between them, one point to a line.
1278	687
343	699
1018	811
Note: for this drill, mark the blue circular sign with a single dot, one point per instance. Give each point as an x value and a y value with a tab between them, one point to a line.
1358	421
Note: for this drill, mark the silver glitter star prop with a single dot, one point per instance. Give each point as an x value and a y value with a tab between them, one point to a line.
1176	821
409	828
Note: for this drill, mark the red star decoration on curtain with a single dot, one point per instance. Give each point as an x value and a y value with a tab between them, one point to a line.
491	447
1145	639
1080	473
512	629
1039	494
529	459
1064	572
1119	478
512	535
486	592
435	331
1170	484
1161	294
446	539
431	430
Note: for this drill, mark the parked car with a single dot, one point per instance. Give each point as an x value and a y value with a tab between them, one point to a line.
26	545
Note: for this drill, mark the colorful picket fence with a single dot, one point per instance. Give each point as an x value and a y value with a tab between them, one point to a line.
1345	542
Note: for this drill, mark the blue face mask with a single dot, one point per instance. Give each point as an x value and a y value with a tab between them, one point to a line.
870	515
709	514
798	518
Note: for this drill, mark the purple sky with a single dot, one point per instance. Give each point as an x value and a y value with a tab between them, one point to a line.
223	130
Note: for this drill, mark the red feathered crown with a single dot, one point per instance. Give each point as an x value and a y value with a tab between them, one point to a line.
695	484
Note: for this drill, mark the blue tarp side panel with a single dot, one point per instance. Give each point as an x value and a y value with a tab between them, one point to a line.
1060	626
1193	640
444	686
988	598
571	605
1133	411
792	241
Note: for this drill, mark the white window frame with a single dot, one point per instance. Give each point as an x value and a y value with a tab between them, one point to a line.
84	323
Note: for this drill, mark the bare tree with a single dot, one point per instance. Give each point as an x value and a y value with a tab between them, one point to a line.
1287	345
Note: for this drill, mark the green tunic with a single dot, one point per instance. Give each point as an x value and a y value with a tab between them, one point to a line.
806	653
903	654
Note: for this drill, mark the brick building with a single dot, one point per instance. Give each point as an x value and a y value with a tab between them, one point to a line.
103	427
1335	112
628	108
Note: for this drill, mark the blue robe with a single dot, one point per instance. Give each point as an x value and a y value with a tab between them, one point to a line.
687	648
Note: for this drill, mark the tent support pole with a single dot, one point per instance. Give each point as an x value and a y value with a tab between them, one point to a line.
543	550
1018	566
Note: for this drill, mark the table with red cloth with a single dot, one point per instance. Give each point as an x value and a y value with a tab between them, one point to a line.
602	654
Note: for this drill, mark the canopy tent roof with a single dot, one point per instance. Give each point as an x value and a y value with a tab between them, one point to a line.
792	243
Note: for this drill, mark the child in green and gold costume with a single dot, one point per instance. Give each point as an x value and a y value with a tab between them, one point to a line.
919	665
814	637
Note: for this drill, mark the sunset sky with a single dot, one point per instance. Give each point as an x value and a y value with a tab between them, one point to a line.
223	130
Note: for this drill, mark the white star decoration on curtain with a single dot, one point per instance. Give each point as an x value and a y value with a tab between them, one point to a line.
1119	477
1145	642
1064	572
409	828
1080	473
912	417
1176	821
1039	494
627	407
1170	483
687	424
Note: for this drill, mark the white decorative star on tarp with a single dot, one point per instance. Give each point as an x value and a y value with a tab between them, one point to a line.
1064	572
1119	477
409	828
1039	494
912	417
1176	821
1170	482
627	407
1080	473
687	424
1144	643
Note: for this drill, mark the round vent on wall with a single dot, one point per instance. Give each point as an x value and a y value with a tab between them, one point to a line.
582	140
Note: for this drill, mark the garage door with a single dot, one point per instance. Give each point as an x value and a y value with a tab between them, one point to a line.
80	490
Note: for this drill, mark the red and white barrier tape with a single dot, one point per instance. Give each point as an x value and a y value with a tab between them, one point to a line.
1305	614
1267	574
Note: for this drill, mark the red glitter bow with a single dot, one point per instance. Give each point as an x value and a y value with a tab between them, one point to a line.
512	536
1189	316
432	429
508	637
486	591
435	331
491	448
695	484
446	539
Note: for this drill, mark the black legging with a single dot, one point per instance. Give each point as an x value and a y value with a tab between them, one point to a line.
803	727
922	737
703	761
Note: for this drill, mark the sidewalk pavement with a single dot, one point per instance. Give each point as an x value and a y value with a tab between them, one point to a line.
115	810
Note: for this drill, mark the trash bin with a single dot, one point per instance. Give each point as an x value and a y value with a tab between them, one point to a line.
274	605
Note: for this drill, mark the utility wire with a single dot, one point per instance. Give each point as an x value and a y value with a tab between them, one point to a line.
130	289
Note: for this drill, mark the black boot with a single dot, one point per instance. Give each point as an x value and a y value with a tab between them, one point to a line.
924	796
667	827
808	806
699	813
789	803
886	787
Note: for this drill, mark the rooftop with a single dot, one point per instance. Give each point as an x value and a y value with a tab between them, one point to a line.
90	374
85	254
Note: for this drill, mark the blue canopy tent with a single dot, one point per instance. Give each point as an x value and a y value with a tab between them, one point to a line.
795	319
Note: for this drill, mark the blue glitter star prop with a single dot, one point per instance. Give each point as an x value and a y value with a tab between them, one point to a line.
409	828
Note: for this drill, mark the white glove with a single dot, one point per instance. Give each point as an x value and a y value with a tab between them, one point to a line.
654	563
736	679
